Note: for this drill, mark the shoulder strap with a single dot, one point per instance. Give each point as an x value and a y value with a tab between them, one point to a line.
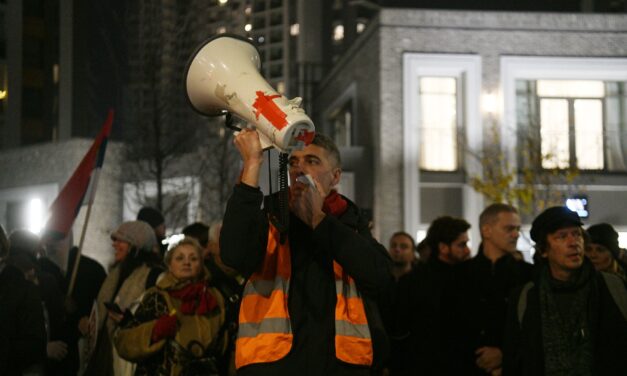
522	301
617	290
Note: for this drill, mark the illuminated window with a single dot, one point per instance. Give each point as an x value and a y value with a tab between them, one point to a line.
338	33
438	123
294	30
571	123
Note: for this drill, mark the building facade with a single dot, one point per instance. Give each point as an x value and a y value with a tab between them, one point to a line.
437	81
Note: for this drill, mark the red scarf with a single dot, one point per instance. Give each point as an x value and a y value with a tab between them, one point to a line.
334	204
195	299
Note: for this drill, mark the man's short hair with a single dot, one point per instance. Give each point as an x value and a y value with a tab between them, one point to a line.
403	233
445	230
198	231
489	215
327	144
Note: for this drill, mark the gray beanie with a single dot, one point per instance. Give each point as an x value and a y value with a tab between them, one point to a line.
138	234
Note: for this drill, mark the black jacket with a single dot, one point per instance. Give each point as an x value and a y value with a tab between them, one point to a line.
424	332
523	352
22	331
484	289
312	295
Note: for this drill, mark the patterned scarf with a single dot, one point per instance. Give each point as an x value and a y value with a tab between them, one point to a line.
565	313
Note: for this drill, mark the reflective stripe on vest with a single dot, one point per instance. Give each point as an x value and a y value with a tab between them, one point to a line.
265	332
353	343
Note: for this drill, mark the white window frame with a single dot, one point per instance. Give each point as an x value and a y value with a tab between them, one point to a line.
515	68
415	65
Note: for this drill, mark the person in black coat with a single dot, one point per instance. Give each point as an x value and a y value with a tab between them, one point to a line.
485	283
571	319
22	329
325	230
424	330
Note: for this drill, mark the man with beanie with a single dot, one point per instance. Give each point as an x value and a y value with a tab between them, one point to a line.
155	219
571	319
603	250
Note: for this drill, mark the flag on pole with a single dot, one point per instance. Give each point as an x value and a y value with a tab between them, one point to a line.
81	185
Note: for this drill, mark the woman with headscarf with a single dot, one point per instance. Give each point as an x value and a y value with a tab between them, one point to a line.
135	257
178	327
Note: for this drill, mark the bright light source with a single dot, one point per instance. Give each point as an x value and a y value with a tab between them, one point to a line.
261	40
3	94
248	10
420	235
338	32
172	240
248	27
223	2
221	30
489	103
294	30
35	215
622	239
360	27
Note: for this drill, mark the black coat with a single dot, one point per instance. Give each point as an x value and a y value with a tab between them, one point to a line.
484	289
22	330
312	295
424	332
523	351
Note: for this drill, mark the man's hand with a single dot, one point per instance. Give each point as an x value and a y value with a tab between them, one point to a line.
306	202
489	358
56	350
249	146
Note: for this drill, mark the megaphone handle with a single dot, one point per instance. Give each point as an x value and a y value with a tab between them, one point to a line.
228	122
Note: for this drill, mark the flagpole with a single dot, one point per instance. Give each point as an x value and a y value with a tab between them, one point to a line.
83	232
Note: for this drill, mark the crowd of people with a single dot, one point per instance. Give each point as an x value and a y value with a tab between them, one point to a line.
296	284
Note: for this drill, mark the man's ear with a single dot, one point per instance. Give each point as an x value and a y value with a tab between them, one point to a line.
485	231
336	173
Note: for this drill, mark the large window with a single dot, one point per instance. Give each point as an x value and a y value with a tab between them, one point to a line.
438	123
577	123
441	120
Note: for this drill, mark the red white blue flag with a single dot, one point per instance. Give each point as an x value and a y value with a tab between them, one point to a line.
81	186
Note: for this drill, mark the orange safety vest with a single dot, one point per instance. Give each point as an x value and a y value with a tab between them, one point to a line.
265	331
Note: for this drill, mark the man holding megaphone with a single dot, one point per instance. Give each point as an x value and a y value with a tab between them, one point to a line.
308	306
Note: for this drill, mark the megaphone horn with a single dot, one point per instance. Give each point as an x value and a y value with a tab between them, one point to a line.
223	75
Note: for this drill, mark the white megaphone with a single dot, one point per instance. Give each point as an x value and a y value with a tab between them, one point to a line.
223	76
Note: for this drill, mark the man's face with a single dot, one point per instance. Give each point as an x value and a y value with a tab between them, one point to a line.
564	251
503	233
401	250
455	252
315	161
